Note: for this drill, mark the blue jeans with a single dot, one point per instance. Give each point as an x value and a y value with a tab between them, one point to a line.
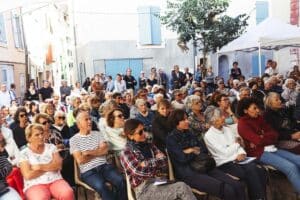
98	176
286	162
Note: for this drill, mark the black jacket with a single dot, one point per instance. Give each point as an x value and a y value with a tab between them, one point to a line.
177	141
281	122
160	131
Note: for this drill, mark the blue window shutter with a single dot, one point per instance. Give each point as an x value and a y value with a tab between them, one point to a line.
2	29
149	25
155	26
145	25
262	11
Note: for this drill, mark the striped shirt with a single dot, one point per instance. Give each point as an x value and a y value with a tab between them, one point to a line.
5	169
88	142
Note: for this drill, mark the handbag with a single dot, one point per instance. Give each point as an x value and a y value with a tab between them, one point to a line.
203	163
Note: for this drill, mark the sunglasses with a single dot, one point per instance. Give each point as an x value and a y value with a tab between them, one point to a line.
120	116
22	115
141	132
45	122
62	117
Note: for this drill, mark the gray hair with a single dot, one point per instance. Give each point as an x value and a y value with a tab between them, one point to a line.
139	102
190	100
79	116
211	114
59	113
244	89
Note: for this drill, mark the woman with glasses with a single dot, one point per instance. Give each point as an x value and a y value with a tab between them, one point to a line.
260	140
197	124
18	127
49	136
177	103
183	148
143	162
223	103
115	130
40	164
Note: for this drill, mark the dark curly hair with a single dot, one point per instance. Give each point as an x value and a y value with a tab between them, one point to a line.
19	110
244	104
110	118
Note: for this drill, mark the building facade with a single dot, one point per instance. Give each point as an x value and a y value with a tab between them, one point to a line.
12	51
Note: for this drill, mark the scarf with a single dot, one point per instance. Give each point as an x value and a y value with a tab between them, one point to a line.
143	147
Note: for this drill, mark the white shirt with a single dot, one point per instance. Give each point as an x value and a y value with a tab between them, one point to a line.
221	144
11	146
120	86
5	98
43	158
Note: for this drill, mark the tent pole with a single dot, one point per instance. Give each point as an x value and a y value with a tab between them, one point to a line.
259	59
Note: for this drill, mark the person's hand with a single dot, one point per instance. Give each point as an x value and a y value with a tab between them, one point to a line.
35	167
143	164
159	155
188	150
196	150
252	146
103	145
241	157
296	135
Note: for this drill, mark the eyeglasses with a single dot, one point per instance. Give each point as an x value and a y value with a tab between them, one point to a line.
61	117
140	132
22	115
45	122
120	116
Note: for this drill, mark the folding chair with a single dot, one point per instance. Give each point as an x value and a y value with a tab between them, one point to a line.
80	183
172	178
130	192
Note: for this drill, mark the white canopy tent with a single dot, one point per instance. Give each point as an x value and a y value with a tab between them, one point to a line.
270	34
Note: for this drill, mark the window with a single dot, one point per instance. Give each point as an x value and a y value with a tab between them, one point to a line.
262	11
2	29
3	76
149	26
17	29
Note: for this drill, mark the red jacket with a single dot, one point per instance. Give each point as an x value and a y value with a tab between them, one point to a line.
256	134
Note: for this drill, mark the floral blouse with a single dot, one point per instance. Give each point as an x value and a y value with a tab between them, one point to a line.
196	126
43	158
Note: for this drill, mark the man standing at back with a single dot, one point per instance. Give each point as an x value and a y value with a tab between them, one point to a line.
45	92
129	80
5	97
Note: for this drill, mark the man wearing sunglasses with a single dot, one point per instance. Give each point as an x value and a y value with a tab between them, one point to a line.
60	126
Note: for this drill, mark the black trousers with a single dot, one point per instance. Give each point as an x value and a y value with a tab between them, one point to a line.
254	176
217	183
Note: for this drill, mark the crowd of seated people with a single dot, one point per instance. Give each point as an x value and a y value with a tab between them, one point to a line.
217	137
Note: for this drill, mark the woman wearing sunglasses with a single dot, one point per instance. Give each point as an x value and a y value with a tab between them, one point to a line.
115	130
143	162
49	136
18	127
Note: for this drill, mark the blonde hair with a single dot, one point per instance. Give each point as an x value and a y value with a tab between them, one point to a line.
30	128
269	99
